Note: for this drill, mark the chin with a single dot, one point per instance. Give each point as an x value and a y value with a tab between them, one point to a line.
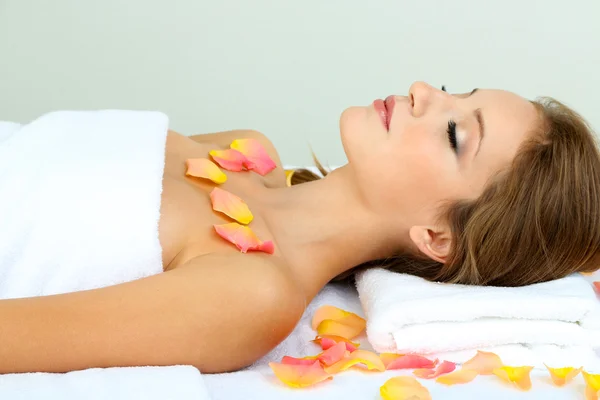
352	125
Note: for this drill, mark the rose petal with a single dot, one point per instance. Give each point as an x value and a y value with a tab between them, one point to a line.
517	375
387	358
404	388
457	377
590	394
299	375
204	168
336	314
484	363
231	160
410	361
369	359
597	286
256	153
327	341
243	238
592	380
561	376
298	361
335	328
230	205
333	354
444	367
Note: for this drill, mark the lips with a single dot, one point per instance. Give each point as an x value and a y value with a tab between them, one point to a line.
381	109
385	110
389	102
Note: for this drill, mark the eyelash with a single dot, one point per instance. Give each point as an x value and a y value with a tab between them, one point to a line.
451	131
452	135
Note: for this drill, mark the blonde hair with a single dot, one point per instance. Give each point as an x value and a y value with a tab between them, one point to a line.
538	220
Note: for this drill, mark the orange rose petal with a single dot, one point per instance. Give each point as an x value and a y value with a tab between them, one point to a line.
298	361
335	328
404	388
517	375
590	394
333	354
484	363
410	361
444	367
231	160
336	314
298	376
387	358
561	376
457	377
369	359
256	153
204	168
327	341
592	381
597	286
230	205
243	238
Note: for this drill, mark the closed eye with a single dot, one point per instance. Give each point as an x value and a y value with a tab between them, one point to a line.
452	135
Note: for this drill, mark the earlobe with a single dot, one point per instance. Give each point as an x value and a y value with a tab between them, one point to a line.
434	242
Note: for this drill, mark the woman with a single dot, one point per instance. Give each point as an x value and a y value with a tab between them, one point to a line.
478	188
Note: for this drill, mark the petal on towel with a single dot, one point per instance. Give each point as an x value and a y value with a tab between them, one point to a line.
243	238
410	361
404	388
333	354
592	381
298	361
256	153
369	359
387	358
457	377
230	205
298	376
337	328
597	286
204	168
231	160
336	314
327	341
561	376
517	375
484	363
444	367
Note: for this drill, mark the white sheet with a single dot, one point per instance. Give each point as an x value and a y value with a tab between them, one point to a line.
258	382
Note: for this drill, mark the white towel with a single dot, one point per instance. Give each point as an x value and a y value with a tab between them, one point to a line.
407	314
148	383
115	160
80	201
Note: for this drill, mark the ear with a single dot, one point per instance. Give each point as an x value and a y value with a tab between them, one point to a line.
434	242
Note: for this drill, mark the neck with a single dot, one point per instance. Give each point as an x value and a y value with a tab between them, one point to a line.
322	229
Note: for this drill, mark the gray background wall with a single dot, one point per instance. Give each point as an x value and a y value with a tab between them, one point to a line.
287	68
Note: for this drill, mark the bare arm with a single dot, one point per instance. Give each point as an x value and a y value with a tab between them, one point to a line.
216	312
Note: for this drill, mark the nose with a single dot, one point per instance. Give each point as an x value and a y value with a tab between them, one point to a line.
421	95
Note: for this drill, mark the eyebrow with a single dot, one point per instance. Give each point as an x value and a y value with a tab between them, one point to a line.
473	92
479	117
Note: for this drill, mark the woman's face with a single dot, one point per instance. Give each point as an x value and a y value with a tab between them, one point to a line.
438	146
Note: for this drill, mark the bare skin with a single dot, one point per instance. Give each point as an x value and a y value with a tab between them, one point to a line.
220	310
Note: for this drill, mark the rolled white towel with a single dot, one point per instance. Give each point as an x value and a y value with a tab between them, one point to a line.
408	314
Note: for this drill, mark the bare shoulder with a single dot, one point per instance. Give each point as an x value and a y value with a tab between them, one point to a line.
255	303
226	137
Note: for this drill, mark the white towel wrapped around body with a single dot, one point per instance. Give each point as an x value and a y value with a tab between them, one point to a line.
407	314
80	196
